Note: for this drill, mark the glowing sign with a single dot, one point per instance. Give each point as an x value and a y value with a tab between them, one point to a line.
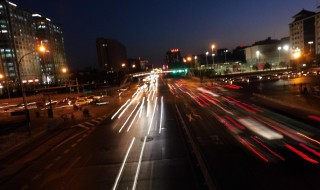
174	50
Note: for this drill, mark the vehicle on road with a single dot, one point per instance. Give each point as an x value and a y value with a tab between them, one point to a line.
81	102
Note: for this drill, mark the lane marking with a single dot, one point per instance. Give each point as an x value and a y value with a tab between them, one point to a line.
36	177
24	187
66	151
67	140
122	166
89	123
94	120
139	164
73	145
83	126
48	166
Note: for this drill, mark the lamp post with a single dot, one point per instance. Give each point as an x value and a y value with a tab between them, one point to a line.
41	49
225	55
279	49
212	48
258	56
207	53
213	61
65	72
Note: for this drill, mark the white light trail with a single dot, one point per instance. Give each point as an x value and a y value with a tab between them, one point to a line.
139	164
161	114
120	109
134	118
129	117
141	107
153	94
148	105
154	110
125	108
138	90
122	166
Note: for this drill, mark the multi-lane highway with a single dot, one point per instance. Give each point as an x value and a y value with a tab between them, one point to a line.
174	134
136	146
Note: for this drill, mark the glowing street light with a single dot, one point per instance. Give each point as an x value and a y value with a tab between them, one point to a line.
258	55
64	70
279	48
225	55
207	53
41	49
297	53
212	48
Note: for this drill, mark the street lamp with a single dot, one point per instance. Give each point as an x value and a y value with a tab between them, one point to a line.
225	55
41	49
213	60
258	55
279	48
207	53
212	48
195	61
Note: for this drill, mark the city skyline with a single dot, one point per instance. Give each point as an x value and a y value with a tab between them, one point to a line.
148	29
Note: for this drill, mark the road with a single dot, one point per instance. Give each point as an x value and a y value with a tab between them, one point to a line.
141	149
175	134
246	146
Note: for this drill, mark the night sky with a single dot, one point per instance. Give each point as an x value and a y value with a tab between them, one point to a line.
148	28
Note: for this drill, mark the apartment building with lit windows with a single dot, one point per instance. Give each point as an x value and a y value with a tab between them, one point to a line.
54	59
21	32
17	38
302	32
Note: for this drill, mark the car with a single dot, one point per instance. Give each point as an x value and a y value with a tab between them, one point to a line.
63	103
81	102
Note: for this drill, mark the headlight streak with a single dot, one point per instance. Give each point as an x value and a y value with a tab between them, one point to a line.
309	138
161	114
129	117
154	110
125	108
148	105
138	90
119	109
141	107
153	93
134	118
122	166
139	164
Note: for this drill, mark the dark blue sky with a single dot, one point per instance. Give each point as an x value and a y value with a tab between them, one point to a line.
148	28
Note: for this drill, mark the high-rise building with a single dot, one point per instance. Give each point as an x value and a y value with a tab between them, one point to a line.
21	32
54	60
174	59
112	55
17	38
302	31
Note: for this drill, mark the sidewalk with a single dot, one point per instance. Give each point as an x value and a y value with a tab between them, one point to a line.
14	138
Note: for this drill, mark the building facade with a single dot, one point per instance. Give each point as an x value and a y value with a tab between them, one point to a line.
174	59
270	51
21	34
17	39
54	59
112	55
302	32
